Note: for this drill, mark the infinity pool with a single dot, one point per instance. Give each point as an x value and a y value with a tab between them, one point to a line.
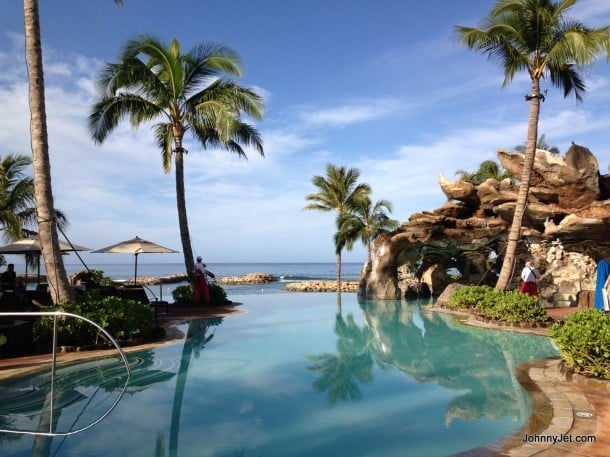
291	376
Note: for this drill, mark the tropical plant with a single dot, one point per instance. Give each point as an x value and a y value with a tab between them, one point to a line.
534	36
183	294
17	210
507	306
217	294
184	92
92	278
16	197
123	318
365	222
540	144
583	339
487	169
337	191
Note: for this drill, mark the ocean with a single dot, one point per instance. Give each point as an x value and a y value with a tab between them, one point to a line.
284	272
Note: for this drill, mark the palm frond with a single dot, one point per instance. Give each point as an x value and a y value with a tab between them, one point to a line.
164	140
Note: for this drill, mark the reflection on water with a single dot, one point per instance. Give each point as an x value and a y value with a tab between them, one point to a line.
290	376
341	373
432	347
75	398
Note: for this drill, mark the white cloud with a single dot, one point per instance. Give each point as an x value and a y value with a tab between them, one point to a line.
361	111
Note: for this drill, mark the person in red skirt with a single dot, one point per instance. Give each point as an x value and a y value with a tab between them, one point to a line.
201	293
529	280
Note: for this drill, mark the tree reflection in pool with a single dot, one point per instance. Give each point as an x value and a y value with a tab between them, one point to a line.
291	377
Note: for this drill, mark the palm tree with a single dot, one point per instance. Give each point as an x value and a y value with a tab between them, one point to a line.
56	272
337	191
487	169
16	197
366	222
537	37
54	265
17	211
181	92
540	144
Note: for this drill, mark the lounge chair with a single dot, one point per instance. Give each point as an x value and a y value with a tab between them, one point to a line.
137	293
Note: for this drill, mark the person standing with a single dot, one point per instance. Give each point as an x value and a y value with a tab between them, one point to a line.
8	279
201	288
529	279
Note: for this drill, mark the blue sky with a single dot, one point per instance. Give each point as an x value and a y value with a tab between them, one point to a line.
380	86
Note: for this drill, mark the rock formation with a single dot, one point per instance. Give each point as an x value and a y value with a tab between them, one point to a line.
321	286
565	231
250	278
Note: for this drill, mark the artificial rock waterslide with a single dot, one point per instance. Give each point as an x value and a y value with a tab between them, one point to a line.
565	232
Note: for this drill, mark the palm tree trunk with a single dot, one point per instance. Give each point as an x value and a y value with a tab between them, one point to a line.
508	265
49	241
339	283
185	236
41	447
185	361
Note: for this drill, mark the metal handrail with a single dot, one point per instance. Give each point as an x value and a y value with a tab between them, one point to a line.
55	315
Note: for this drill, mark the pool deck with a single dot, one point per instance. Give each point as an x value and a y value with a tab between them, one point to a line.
566	406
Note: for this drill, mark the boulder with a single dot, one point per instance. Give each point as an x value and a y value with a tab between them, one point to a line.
574	179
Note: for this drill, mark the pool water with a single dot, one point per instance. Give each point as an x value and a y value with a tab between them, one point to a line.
291	376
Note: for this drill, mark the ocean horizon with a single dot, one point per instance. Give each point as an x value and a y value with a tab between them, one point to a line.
283	271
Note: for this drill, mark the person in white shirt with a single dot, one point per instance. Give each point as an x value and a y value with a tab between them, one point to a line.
529	279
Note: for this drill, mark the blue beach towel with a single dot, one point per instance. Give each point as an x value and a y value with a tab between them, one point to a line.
603	270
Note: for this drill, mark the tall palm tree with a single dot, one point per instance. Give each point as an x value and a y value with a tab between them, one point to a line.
56	272
154	82
337	191
54	265
534	36
366	222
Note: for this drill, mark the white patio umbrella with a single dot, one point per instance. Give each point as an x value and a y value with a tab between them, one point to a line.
135	246
30	246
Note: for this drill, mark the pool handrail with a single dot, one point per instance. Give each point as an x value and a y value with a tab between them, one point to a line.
55	315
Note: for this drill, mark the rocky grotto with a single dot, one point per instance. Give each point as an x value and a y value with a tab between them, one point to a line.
565	232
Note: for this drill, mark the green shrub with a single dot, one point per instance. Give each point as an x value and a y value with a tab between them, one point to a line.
92	278
584	342
183	294
511	306
473	297
124	319
217	294
514	307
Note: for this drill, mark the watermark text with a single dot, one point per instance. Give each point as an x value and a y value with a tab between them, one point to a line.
558	439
